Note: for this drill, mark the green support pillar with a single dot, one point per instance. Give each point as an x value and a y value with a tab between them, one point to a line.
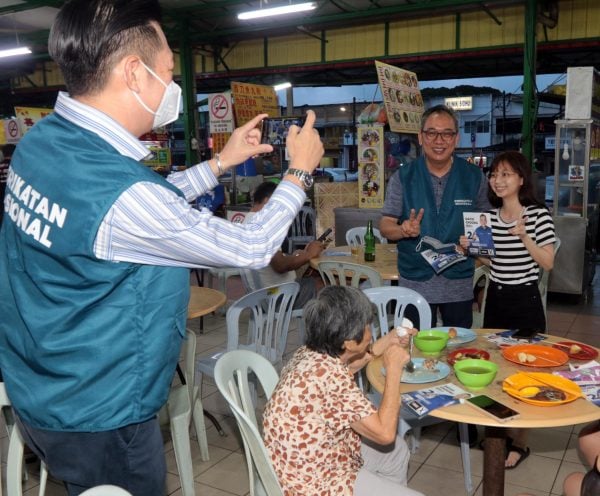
188	85
529	70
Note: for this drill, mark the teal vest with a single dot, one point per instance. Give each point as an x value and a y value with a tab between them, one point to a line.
446	225
87	344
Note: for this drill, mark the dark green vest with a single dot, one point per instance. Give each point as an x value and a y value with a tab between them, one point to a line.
87	344
446	225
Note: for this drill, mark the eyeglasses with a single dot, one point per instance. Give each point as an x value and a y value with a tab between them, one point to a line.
503	175
432	134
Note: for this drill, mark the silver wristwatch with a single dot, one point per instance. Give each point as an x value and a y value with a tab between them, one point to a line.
305	177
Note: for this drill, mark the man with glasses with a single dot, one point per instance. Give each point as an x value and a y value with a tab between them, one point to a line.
428	198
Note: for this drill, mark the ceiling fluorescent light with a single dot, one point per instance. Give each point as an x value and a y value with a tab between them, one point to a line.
273	11
282	86
14	51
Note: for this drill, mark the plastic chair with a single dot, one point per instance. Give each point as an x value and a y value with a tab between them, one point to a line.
337	274
16	450
231	377
543	278
252	281
184	404
481	273
221	275
270	313
302	230
105	490
355	236
395	300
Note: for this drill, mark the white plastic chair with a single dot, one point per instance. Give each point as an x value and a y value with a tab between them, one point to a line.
183	405
221	275
252	281
337	274
302	230
231	377
394	300
105	490
355	236
270	312
482	273
543	278
16	450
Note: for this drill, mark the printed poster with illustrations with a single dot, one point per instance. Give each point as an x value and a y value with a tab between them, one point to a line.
249	100
402	98
370	166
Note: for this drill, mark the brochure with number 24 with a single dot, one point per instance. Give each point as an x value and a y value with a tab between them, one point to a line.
421	402
479	231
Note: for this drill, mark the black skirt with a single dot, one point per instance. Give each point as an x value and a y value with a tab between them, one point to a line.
515	306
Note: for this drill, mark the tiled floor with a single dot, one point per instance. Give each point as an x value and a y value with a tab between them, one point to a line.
434	470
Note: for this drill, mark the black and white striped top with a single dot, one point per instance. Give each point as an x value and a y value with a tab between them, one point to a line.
513	264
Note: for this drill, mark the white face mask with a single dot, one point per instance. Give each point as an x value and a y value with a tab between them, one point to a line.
168	108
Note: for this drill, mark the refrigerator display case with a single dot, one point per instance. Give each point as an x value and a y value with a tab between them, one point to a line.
575	204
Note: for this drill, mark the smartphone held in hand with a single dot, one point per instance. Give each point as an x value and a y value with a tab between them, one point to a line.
274	130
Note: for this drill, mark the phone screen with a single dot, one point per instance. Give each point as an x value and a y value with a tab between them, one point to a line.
525	332
275	129
494	408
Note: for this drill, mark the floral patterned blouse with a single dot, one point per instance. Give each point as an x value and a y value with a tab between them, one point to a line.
307	429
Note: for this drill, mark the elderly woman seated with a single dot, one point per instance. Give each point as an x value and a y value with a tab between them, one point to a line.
324	436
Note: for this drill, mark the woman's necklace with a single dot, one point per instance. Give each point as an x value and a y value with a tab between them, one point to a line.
509	218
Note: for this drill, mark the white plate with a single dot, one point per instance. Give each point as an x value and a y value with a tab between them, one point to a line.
422	375
462	335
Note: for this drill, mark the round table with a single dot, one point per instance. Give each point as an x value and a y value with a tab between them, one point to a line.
577	412
204	301
386	259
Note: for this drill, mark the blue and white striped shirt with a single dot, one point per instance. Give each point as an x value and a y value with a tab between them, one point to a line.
150	224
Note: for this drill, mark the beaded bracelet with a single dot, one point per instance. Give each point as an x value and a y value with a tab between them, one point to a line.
219	165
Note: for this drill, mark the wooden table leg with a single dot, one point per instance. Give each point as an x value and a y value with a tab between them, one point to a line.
493	461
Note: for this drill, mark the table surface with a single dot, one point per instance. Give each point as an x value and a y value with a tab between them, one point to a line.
385	262
576	412
204	301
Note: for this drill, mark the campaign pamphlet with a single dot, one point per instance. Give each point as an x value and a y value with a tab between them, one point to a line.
588	379
442	255
479	231
423	401
505	338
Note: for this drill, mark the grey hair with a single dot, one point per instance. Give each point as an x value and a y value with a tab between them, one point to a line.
338	314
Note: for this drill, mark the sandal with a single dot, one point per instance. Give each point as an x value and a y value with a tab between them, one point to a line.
523	454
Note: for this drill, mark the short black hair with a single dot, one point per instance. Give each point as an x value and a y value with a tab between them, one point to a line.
263	191
338	314
88	37
439	109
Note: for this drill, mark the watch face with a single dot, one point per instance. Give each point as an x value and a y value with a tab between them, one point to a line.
308	180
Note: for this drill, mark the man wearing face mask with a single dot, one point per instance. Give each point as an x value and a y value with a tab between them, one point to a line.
95	249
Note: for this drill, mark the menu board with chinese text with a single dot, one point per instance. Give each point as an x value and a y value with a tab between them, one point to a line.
249	100
370	166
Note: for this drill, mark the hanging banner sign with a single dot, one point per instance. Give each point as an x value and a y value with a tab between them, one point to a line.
252	99
370	166
28	116
220	113
402	98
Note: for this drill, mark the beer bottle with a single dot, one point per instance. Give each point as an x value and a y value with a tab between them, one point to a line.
369	243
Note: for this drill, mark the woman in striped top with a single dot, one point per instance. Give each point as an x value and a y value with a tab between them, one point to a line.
523	234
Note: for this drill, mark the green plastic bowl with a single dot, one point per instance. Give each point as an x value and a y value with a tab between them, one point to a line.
475	373
431	341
